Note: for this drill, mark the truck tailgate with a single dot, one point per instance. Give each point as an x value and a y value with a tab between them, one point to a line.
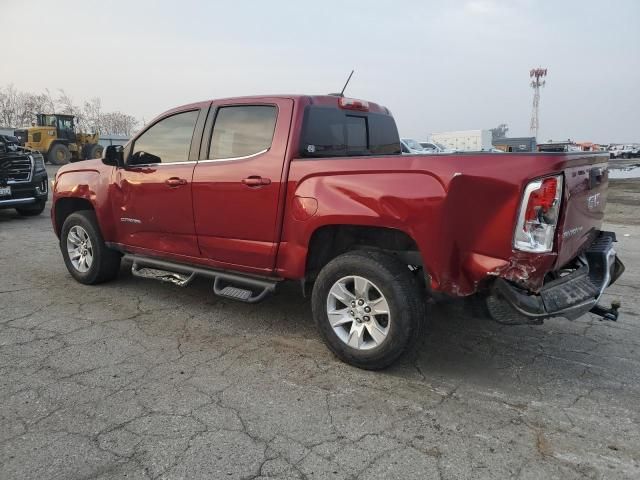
585	196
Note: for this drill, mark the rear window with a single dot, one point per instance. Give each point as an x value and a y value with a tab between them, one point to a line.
331	132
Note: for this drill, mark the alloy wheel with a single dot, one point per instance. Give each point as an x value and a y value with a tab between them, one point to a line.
358	312
79	248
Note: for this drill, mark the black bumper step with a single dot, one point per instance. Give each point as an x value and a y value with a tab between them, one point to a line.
571	295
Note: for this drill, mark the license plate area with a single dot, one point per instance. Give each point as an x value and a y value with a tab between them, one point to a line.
5	191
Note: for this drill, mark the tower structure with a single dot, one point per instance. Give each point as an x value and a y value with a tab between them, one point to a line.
537	76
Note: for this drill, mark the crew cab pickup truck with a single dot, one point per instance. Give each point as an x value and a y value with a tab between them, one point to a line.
253	191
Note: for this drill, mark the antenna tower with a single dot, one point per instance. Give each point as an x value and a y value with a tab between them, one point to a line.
537	76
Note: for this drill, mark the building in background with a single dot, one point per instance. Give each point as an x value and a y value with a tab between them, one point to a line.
465	140
515	144
107	140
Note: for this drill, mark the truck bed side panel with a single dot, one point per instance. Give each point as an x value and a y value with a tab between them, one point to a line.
460	210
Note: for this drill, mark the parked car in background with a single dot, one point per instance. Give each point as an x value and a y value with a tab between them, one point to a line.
623	151
257	190
434	147
24	184
10	143
411	146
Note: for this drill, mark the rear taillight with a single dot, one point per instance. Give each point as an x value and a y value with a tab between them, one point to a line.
353	104
539	212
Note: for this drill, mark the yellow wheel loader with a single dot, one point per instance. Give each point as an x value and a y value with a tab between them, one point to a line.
55	136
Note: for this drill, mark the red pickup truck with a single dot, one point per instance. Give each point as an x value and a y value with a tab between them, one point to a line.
253	191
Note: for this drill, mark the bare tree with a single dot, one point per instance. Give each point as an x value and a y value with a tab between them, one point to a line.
500	131
91	117
118	123
19	109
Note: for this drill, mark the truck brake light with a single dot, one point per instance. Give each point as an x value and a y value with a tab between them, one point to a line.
353	104
538	217
542	199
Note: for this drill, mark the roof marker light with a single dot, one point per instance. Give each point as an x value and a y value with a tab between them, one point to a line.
353	104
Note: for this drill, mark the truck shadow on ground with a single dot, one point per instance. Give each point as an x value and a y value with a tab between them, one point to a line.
457	347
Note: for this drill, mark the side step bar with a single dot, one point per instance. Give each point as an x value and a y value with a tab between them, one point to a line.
236	286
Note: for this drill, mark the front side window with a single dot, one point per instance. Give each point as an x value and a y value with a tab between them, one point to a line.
241	131
167	141
66	123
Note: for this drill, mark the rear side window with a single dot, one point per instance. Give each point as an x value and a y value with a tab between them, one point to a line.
332	132
242	130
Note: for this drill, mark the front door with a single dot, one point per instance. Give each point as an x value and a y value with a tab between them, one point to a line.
237	182
152	194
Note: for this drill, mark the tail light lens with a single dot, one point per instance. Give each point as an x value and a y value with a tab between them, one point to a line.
538	217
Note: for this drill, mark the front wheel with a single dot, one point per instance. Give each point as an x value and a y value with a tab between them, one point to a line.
93	150
85	254
369	308
59	154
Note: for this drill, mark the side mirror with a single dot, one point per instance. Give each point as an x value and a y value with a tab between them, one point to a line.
113	155
144	158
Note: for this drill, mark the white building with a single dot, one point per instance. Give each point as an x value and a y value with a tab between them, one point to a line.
465	140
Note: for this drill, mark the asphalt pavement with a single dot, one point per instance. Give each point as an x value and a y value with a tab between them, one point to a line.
138	379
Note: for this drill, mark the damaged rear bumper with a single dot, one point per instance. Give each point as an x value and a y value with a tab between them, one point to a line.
569	296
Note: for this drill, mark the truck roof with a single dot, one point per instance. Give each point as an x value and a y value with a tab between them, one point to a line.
322	100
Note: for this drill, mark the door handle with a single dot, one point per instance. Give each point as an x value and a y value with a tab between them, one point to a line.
256	181
175	181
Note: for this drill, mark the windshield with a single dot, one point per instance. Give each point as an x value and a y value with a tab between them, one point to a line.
412	144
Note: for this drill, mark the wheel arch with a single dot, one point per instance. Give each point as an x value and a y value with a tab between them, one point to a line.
65	206
329	241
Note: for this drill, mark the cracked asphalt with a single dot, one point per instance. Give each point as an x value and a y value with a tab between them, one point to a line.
138	379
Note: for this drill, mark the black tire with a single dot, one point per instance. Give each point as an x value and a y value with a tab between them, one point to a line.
91	151
401	289
106	262
59	154
32	210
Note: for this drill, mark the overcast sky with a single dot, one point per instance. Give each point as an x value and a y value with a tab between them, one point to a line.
438	65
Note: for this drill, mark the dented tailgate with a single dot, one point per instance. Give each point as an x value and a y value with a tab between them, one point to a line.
584	200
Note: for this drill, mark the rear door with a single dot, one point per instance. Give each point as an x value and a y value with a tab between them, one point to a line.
237	183
152	194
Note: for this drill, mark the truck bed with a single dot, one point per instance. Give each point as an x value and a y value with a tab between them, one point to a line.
460	208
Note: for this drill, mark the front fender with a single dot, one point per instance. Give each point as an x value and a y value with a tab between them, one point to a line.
87	181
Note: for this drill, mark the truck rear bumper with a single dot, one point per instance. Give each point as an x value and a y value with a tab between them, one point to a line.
571	295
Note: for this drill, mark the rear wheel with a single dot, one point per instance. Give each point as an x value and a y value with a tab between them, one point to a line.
59	154
32	210
85	254
368	308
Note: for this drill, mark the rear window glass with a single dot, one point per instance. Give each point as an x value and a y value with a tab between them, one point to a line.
242	130
331	132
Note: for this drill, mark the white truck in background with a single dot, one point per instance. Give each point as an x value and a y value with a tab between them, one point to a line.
465	140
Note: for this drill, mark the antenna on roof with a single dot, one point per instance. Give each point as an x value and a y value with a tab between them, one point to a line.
345	85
